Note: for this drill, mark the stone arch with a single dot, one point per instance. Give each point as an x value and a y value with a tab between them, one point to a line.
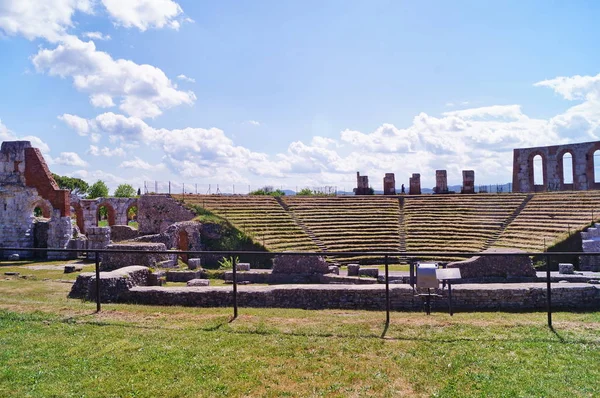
44	206
78	210
531	171
111	212
561	169
590	167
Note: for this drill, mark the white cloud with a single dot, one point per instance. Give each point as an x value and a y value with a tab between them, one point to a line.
575	87
40	19
107	152
96	36
138	163
70	159
252	123
186	78
145	14
144	90
36	142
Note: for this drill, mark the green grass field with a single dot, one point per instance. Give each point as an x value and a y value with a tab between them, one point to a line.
51	346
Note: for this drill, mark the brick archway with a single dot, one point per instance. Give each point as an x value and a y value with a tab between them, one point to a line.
44	207
590	167
110	211
79	216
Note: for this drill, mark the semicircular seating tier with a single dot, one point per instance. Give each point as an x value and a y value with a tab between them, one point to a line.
549	218
351	223
260	217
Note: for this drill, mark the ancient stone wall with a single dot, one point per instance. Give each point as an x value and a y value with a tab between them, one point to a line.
157	212
552	168
389	184
441	181
117	208
495	266
468	185
26	183
415	184
362	185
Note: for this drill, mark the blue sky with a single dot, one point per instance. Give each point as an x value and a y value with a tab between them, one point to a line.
295	93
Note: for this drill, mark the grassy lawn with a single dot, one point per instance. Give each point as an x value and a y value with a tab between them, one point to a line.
54	346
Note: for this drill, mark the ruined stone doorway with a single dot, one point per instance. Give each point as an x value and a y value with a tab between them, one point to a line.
105	215
184	244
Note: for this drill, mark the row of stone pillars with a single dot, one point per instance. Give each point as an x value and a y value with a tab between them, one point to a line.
414	188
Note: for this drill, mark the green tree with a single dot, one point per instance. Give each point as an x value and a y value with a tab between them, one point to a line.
305	192
76	185
268	190
98	190
124	191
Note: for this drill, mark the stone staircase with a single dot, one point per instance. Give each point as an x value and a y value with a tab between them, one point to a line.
301	224
402	230
590	242
492	239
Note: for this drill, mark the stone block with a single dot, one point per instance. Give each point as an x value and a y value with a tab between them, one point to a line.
299	264
369	272
566	268
194	263
198	282
334	269
242	266
353	269
183	276
14	257
70	268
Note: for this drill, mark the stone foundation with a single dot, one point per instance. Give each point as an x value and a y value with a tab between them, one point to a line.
114	286
495	266
111	261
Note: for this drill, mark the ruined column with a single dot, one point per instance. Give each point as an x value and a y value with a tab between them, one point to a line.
362	185
441	181
415	184
389	184
468	181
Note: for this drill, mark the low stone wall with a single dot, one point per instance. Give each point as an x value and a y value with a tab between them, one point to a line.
114	285
269	278
111	261
185	276
120	233
299	264
495	266
505	297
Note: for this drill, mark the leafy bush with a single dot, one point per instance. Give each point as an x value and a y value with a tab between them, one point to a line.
268	190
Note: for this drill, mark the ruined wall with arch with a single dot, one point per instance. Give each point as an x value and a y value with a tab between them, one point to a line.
26	183
87	211
553	170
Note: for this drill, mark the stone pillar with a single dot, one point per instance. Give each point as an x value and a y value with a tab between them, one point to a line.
60	233
415	184
441	181
362	185
468	181
389	184
98	238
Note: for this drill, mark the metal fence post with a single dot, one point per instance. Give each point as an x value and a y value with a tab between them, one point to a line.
548	291
97	257
387	293
235	303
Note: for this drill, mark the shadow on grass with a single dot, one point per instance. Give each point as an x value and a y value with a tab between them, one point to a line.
263	330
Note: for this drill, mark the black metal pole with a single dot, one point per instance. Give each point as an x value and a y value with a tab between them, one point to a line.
548	291
235	303
387	292
450	298
412	273
98	308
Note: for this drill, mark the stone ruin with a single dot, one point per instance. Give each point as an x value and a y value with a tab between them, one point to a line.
553	173
362	185
389	184
481	267
415	184
468	181
441	181
27	184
